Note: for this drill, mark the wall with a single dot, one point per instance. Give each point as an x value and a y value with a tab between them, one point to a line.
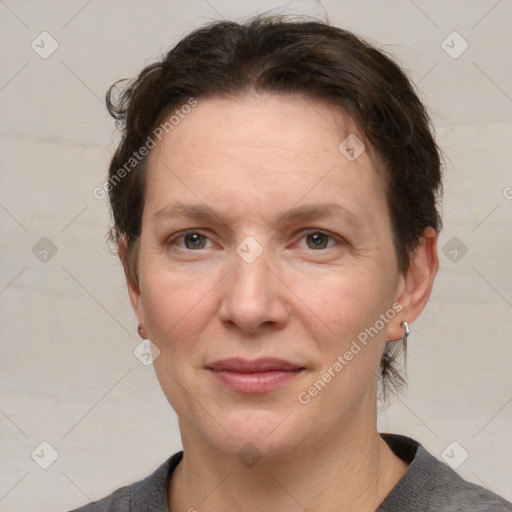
68	374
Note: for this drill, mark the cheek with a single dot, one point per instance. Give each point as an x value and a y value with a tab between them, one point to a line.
174	308
346	301
344	320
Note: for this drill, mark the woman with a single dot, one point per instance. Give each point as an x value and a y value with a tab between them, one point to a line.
274	199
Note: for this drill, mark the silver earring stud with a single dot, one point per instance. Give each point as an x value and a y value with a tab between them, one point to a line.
407	331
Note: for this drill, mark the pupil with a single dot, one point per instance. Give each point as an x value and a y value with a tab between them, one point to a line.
318	240
194	239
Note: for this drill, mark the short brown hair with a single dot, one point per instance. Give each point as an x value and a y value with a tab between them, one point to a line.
279	55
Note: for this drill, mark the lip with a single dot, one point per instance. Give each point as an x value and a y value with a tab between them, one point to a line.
256	375
263	364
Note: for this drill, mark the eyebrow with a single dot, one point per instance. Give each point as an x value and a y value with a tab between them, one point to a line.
295	214
314	212
192	211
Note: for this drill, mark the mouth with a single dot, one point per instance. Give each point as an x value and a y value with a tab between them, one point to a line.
254	376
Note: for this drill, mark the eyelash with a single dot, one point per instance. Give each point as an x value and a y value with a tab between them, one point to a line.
181	236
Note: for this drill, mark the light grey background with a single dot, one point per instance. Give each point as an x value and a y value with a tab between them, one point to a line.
68	374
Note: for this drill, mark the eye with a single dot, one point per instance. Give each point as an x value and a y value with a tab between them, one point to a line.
317	240
192	240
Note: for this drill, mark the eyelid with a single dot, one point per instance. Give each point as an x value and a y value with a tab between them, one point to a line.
303	232
181	234
309	231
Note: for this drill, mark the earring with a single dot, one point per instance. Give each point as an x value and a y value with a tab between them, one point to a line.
407	331
140	330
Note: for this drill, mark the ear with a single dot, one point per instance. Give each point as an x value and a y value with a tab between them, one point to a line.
128	262
416	284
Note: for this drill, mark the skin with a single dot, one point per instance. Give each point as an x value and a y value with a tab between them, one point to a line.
250	161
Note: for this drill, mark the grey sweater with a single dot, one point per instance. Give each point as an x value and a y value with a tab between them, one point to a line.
428	485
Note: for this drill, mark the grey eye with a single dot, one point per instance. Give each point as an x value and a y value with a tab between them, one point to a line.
318	240
194	241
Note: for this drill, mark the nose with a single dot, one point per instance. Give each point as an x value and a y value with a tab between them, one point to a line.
254	297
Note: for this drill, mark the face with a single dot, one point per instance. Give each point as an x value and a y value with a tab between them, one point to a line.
266	255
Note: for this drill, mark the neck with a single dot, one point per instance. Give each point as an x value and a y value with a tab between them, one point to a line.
354	470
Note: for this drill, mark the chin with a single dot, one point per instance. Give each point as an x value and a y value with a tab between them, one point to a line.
257	433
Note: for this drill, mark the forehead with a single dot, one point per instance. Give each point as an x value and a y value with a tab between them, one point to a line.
263	123
261	152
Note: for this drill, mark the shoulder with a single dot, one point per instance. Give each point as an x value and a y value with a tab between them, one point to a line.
451	492
119	501
430	485
149	494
